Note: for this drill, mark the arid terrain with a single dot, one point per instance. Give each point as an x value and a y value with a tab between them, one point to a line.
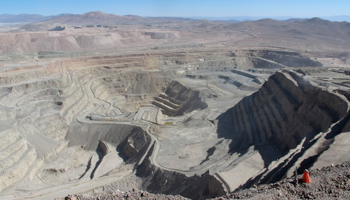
96	103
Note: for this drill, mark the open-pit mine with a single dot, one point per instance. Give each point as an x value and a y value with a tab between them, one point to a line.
194	108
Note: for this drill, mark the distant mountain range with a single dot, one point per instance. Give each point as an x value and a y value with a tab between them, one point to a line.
100	17
90	18
316	29
22	18
281	18
338	18
89	31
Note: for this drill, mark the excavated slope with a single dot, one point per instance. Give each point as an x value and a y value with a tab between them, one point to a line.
285	110
77	39
87	123
297	115
189	98
47	134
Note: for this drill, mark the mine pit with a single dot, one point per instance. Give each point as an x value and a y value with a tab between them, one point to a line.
201	126
102	108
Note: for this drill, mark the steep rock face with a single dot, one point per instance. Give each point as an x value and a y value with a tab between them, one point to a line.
291	59
189	99
285	110
281	59
31	129
157	180
127	136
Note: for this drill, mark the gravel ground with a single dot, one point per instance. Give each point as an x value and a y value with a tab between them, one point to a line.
332	182
119	195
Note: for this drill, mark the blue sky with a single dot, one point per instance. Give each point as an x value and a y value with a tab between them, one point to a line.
182	8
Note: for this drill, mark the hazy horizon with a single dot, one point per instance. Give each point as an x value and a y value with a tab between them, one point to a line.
218	18
181	8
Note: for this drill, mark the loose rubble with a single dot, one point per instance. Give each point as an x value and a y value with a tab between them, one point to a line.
118	195
332	182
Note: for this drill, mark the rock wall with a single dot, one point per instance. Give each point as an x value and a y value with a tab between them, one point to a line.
285	110
190	99
121	136
157	180
31	128
280	59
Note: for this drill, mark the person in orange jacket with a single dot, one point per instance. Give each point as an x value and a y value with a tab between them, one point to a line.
306	177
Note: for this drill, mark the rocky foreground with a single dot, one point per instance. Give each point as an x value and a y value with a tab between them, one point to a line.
332	182
134	194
